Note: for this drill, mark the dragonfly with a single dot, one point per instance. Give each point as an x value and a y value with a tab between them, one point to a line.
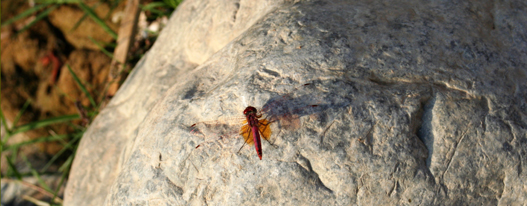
256	125
254	128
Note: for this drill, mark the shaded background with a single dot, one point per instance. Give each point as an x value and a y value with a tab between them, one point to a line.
55	63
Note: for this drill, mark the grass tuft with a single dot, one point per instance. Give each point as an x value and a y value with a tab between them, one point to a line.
97	20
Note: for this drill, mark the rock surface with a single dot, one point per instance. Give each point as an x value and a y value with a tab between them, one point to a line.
417	104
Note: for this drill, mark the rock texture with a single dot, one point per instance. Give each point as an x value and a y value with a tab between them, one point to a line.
418	103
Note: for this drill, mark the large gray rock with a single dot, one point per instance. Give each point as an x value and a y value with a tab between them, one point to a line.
418	103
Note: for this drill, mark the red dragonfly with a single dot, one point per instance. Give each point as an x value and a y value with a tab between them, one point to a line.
255	126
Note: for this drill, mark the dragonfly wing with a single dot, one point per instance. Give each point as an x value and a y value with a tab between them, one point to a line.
264	127
236	120
246	133
225	127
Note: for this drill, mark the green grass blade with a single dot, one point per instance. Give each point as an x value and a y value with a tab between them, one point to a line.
97	20
66	164
172	3
58	1
109	54
12	168
45	122
17	118
75	126
78	23
38	140
36	175
24	14
40	180
64	176
39	17
56	156
153	5
82	87
65	168
111	45
4	122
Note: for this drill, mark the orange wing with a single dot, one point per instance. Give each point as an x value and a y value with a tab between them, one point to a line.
247	134
265	131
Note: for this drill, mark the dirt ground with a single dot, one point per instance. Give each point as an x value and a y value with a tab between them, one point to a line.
34	68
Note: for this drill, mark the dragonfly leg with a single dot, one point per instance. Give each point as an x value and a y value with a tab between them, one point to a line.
248	138
266	139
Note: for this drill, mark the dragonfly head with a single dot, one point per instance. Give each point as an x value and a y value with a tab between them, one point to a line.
249	110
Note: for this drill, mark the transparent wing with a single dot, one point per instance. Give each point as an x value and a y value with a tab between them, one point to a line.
226	127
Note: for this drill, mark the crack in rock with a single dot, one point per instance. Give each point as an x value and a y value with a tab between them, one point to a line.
425	132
